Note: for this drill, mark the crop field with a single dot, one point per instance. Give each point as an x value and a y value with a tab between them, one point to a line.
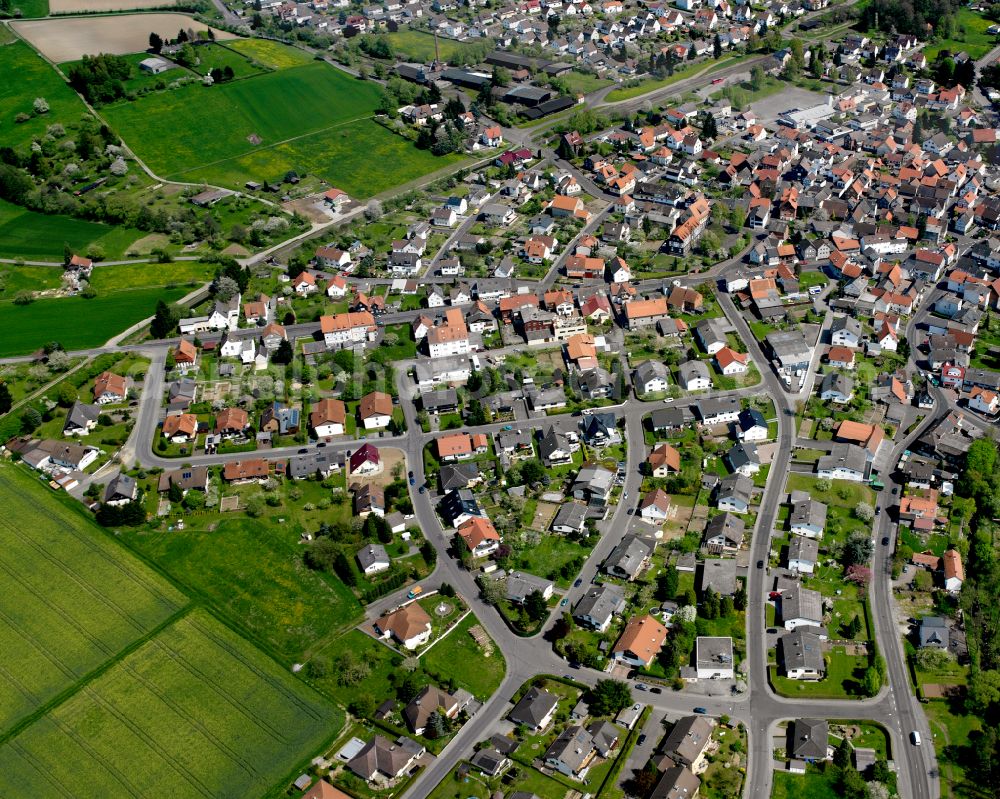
40	237
58	620
64	39
90	6
194	712
133	276
36	79
75	322
252	572
307	117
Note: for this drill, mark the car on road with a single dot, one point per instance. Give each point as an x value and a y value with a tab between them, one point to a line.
772	630
656	690
668	400
413	482
641	740
774	595
895	490
885	540
701	710
508	427
640	686
303	451
631	511
564	603
410	473
421	489
717	81
915	738
568	676
321	444
760	564
578	583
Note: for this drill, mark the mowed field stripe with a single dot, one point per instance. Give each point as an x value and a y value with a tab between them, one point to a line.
141	575
277	685
39	767
69	574
219	690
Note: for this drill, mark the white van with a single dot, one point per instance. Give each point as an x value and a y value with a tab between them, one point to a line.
915	737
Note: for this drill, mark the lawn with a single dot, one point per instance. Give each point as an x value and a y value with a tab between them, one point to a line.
252	572
218	56
950	729
547	558
27	278
474	785
204	714
75	322
106	599
459	657
311	118
583	82
814	784
133	276
974	40
419	46
35	78
844	676
41	237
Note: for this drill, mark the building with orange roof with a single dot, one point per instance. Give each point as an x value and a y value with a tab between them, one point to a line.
344	329
868	436
409	625
954	571
841	357
231	422
185	355
643	313
984	400
640	642
454	447
914	507
246	471
375	410
480	536
731	362
328	418
180	428
664	460
110	388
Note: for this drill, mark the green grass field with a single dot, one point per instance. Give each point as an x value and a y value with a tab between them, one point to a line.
200	710
32	9
40	237
27	278
418	46
385	160
273	55
35	79
58	620
219	56
134	276
75	322
814	784
460	657
310	118
253	573
974	40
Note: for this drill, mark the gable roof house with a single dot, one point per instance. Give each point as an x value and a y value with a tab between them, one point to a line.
599	605
687	742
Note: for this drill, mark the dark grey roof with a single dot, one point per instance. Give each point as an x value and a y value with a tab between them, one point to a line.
801	649
808	739
533	707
